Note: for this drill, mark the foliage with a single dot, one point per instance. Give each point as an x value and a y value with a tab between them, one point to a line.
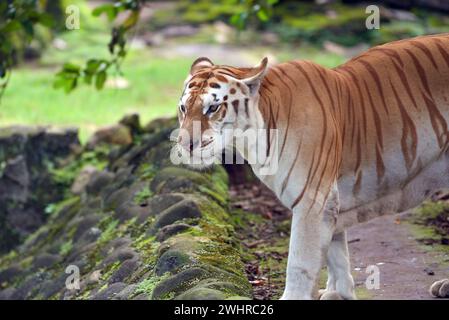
18	22
66	247
143	195
96	70
260	9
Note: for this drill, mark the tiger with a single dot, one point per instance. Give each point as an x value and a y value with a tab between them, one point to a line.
367	138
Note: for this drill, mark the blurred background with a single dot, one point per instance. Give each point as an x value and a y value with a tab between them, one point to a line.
82	176
154	43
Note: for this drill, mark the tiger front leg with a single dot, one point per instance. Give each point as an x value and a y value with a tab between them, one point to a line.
309	242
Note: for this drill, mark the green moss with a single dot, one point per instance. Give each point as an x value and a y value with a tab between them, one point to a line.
143	195
8	258
423	234
363	293
66	247
220	255
26	263
110	269
146	171
147	247
45	235
147	285
431	209
66	175
54	209
109	232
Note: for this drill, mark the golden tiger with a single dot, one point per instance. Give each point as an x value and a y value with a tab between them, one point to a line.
364	139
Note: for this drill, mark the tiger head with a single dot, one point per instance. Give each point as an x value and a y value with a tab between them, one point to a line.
215	102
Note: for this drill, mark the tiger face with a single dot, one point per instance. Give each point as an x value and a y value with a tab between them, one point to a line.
215	102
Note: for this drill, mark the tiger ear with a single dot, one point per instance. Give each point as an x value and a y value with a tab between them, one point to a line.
254	77
199	64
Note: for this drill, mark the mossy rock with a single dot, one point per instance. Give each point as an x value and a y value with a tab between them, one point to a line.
212	183
178	283
171	261
185	209
171	230
160	124
201	294
158	204
142	229
174	179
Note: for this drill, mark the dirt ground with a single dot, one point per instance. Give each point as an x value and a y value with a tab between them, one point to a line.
406	266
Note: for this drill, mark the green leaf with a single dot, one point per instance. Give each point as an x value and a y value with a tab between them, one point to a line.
131	20
238	20
71	67
46	20
109	9
262	15
27	26
12	25
100	80
58	82
92	65
70	84
88	78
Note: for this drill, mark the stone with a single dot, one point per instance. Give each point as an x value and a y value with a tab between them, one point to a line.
116	198
83	179
27	185
94	277
171	261
170	242
98	181
116	135
126	194
174	179
120	254
129	210
181	210
132	121
15	180
30	285
51	287
201	294
10	273
159	203
126	270
141	296
45	260
178	282
126	293
84	225
7	294
171	230
90	235
160	124
110	292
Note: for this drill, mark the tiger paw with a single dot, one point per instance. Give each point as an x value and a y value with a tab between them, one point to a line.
329	295
440	289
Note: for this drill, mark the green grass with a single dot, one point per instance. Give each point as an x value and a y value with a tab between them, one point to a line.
155	85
